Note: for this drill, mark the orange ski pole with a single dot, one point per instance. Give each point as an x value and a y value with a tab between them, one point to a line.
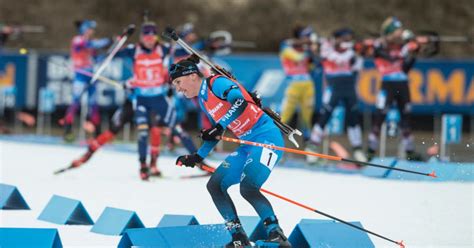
325	156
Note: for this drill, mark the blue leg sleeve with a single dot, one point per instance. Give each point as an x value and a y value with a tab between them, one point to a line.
226	175
257	170
142	128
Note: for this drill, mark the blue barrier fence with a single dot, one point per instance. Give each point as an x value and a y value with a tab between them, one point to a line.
437	86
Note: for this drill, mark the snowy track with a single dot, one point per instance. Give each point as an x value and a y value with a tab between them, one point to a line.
422	214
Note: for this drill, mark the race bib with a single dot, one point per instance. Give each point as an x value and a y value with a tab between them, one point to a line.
268	158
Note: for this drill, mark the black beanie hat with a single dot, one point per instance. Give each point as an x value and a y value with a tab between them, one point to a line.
184	67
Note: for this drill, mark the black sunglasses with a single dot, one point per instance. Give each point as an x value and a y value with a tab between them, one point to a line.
149	30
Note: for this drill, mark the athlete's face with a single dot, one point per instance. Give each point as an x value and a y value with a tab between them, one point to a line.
148	40
191	38
188	85
344	42
89	33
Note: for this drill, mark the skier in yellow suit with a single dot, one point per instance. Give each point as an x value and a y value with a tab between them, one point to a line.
296	58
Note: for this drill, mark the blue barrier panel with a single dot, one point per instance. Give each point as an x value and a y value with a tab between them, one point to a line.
29	237
114	221
414	166
443	170
329	234
142	237
14	73
10	198
63	210
181	236
379	172
451	129
46	100
254	228
448	171
296	237
464	172
440	85
53	73
177	220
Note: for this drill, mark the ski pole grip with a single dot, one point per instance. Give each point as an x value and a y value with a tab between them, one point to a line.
170	33
129	30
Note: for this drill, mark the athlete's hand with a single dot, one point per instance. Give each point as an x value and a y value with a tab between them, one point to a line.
212	133
189	160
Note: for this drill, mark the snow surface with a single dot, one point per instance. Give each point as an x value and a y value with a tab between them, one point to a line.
423	214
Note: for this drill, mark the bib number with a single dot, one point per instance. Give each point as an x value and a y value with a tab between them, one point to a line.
268	158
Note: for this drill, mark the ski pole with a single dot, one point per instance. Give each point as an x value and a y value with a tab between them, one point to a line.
90	74
123	38
101	78
171	34
325	156
400	243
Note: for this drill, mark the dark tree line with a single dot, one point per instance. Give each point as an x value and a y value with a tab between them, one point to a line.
266	22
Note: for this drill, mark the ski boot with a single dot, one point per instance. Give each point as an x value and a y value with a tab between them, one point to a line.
83	159
239	237
312	147
68	134
359	155
144	172
276	237
370	154
413	156
154	171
